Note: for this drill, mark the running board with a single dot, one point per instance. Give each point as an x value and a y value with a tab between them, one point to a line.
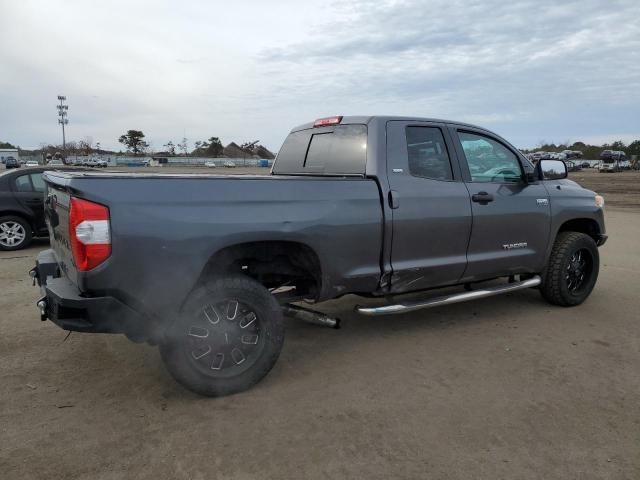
449	299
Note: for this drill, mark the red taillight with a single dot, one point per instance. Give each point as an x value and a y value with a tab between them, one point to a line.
89	232
325	122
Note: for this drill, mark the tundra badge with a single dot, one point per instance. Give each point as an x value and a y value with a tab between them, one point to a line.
513	246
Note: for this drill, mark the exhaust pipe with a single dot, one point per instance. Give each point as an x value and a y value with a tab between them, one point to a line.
310	316
449	299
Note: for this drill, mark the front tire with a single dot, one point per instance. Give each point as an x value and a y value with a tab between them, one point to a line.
572	270
15	233
228	337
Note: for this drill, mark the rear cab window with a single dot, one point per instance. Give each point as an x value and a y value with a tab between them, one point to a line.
427	153
336	150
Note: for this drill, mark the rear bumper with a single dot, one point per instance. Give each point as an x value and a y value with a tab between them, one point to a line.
66	306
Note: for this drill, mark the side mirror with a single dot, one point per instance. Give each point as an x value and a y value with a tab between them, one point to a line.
551	169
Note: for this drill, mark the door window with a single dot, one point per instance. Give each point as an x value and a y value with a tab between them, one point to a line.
38	182
489	160
427	152
23	184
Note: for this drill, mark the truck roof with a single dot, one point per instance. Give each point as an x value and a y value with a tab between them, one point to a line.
366	119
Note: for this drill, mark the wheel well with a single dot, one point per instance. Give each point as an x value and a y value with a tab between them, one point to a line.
583	225
272	263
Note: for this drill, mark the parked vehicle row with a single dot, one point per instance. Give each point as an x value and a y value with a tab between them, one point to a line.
613	155
92	163
564	155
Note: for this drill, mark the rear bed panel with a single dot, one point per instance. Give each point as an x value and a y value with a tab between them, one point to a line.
165	228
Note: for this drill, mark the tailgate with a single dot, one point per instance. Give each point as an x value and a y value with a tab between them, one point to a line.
57	219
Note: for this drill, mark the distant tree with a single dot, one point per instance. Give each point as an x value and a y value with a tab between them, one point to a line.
171	148
71	148
84	146
6	145
214	147
617	145
634	148
134	141
184	146
250	147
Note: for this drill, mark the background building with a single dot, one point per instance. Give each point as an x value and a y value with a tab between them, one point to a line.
8	152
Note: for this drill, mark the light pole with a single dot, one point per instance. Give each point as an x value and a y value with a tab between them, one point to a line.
63	120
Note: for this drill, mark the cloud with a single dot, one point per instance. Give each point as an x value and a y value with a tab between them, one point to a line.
248	70
528	69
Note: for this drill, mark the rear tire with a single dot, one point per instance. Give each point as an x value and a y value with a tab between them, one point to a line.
15	233
572	270
228	337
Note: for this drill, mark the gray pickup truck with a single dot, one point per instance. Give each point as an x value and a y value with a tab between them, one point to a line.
205	265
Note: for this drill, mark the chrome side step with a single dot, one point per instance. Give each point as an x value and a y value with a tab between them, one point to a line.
449	299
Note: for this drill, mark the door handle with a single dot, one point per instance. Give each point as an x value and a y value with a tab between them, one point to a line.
394	199
482	198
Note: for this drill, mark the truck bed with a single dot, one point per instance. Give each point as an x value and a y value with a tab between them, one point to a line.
166	227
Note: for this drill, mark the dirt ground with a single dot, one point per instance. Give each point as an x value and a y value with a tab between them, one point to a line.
620	190
503	388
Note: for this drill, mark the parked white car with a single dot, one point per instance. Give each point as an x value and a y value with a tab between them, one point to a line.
31	163
210	164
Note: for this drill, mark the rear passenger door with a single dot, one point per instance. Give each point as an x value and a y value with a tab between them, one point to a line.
511	218
430	207
28	189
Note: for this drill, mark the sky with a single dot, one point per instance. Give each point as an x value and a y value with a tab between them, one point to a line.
532	71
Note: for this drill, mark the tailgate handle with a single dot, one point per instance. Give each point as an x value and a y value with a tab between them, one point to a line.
50	211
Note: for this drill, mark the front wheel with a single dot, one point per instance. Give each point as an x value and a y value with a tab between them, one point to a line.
228	337
572	270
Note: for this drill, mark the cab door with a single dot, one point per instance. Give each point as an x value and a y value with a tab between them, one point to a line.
430	207
511	217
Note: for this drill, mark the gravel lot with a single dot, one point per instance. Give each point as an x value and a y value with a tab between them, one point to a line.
508	387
